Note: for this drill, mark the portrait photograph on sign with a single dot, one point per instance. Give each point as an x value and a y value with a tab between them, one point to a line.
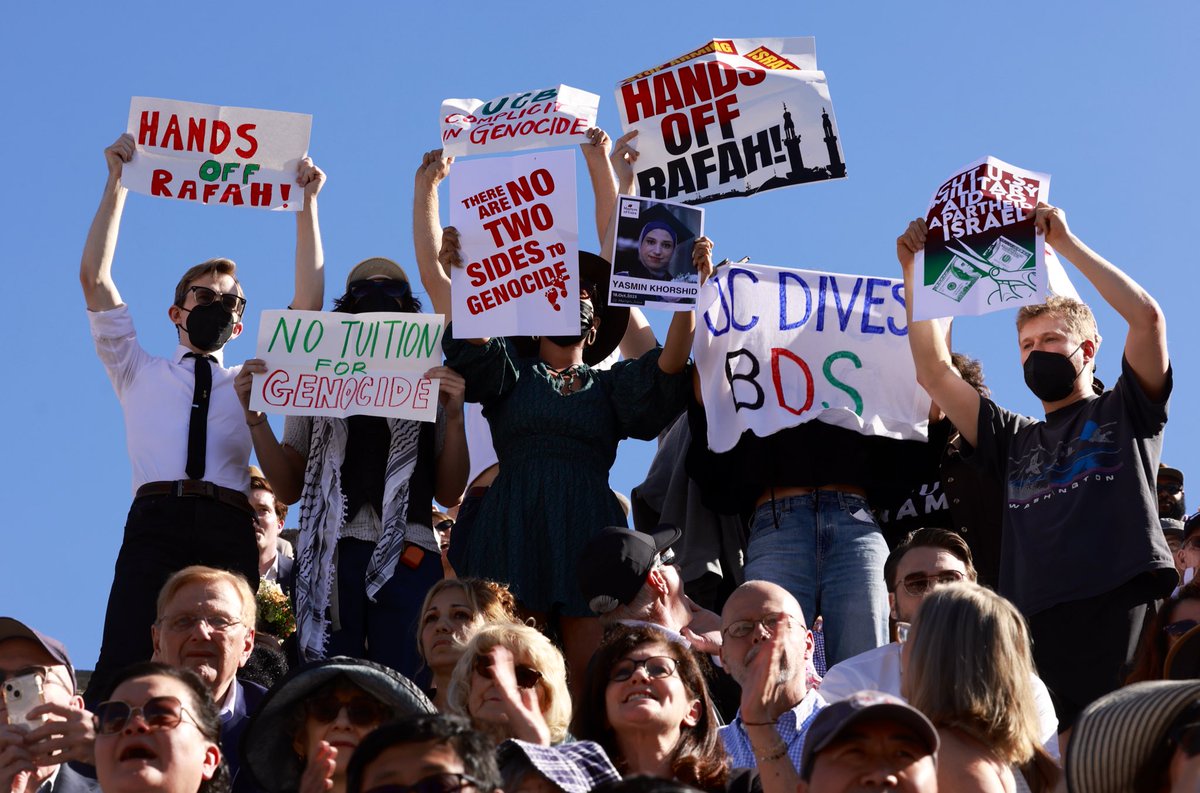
652	254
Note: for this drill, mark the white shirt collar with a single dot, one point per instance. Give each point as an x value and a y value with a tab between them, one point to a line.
227	703
181	351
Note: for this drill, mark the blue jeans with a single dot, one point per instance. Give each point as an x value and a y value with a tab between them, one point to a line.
827	550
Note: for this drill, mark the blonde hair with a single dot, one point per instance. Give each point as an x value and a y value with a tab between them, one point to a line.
970	668
491	601
1076	314
528	646
199	574
211	267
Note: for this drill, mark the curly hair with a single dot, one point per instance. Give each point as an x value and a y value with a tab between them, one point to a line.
699	758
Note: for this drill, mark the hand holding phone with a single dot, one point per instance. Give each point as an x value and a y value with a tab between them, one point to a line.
21	695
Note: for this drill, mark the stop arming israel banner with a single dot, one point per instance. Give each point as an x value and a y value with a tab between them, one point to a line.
982	253
322	363
519	235
778	348
236	156
732	118
559	116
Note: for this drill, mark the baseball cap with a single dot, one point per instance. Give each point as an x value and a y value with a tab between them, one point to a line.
1167	472
833	720
615	563
375	266
11	628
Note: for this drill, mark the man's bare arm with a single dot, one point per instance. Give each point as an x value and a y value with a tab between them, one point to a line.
427	229
95	267
310	255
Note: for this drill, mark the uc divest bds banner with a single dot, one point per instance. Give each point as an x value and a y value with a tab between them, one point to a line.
539	119
732	118
516	218
780	347
982	253
322	363
237	156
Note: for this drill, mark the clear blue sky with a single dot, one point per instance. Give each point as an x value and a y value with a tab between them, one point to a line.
1102	96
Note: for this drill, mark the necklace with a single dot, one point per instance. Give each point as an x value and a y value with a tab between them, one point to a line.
566	381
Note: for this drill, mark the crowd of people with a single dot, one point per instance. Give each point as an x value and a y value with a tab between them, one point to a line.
770	622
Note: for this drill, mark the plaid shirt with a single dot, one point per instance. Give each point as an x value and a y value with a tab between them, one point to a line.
792	727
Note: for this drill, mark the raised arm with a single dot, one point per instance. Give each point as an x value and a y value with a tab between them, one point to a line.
623	157
450	256
283	465
678	348
935	370
604	185
95	267
1146	343
454	460
639	337
310	256
427	229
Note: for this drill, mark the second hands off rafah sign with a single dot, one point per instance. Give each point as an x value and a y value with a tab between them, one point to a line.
733	118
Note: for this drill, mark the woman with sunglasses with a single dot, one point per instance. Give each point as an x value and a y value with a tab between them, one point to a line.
454	609
511	682
365	484
310	723
1174	618
159	731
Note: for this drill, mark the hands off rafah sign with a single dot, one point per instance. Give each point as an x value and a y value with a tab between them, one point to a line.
982	252
235	156
732	118
516	218
323	363
540	119
777	348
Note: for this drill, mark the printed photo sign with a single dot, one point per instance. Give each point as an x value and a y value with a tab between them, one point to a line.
652	254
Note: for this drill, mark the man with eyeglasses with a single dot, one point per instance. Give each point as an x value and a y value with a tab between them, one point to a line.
34	755
206	624
424	754
927	558
766	647
186	432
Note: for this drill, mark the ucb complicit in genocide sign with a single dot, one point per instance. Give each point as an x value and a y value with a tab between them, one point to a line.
322	363
732	118
236	156
558	116
520	246
982	253
777	348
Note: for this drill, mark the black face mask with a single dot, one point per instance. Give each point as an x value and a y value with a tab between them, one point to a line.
376	301
209	327
1051	375
587	315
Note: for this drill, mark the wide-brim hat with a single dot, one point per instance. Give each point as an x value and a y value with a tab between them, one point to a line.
267	746
373	267
615	562
595	271
574	767
1117	734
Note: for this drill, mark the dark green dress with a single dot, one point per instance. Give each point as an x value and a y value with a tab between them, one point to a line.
555	450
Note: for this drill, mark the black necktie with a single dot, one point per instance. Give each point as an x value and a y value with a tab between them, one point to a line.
198	424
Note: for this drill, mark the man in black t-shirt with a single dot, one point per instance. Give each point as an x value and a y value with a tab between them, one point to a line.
1083	555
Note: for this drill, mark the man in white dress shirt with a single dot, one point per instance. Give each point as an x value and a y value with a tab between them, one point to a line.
185	429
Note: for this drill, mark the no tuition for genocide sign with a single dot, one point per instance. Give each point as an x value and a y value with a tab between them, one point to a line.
776	348
322	363
520	246
235	156
540	119
732	118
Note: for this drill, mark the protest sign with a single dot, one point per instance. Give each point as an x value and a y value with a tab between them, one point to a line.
982	253
777	348
322	363
559	116
520	246
236	156
732	118
652	254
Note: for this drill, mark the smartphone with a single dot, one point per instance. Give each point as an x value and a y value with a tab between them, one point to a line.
21	695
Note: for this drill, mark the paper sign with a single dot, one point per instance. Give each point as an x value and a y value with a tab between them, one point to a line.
322	363
982	253
516	218
733	118
652	259
236	156
777	348
540	119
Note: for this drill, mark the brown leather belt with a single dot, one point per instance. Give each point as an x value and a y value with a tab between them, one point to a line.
196	488
785	492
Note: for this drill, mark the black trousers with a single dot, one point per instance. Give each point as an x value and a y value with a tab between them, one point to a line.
164	534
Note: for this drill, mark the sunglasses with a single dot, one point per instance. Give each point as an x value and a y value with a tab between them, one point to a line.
395	289
444	525
1171	488
657	667
1179	628
361	711
434	783
231	302
527	676
917	584
159	713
